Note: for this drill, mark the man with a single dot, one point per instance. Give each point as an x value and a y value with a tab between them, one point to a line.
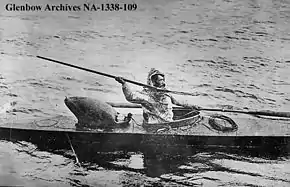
157	106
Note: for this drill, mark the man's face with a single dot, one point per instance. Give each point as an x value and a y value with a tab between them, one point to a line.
159	82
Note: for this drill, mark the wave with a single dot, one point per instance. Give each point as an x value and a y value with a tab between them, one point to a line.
220	63
100	90
257	60
70	78
55	87
42	84
3	86
238	93
203	85
12	95
25	110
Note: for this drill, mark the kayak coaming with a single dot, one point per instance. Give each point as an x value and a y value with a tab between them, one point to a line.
191	120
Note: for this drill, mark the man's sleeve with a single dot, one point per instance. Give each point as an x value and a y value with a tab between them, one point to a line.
182	103
133	96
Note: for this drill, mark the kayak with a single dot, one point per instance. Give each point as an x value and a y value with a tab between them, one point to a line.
255	136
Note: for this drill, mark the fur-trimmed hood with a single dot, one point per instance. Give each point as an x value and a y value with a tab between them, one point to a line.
152	72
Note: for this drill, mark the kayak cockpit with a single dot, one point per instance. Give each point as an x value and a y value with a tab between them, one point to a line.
182	117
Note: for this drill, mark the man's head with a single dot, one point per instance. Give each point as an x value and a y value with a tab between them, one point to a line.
158	80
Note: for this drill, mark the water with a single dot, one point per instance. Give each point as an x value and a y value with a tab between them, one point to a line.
234	53
23	164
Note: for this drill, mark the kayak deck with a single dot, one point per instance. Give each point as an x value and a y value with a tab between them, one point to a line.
247	126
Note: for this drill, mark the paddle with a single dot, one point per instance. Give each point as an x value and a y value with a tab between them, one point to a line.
263	113
112	76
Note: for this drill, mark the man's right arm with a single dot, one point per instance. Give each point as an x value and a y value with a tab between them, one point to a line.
130	95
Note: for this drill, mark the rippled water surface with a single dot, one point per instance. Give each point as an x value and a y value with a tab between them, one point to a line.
234	53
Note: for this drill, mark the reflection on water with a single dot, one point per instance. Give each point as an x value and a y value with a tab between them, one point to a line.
204	168
22	163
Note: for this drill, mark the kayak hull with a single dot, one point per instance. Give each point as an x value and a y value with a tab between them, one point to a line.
189	133
88	143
